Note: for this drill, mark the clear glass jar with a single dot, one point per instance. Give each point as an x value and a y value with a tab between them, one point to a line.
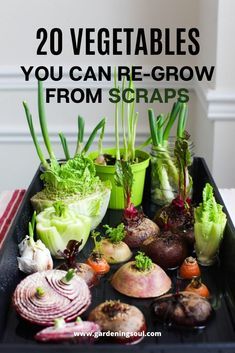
164	173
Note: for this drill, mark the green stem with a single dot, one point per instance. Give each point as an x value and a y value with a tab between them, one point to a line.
125	155
135	120
42	119
116	120
100	142
153	128
160	123
145	143
64	145
32	226
182	120
69	276
34	137
173	116
80	136
92	136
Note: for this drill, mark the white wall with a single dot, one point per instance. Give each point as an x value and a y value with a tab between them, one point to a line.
19	20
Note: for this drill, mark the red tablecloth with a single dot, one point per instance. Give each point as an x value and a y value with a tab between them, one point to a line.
9	204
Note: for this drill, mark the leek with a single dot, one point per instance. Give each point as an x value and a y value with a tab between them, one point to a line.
164	171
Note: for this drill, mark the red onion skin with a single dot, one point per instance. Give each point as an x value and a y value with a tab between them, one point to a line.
66	334
56	302
88	275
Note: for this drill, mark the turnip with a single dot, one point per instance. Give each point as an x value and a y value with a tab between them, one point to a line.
141	278
112	247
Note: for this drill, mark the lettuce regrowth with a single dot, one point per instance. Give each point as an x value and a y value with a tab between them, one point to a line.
210	222
75	180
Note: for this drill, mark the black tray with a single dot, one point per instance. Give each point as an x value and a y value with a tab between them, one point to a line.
218	336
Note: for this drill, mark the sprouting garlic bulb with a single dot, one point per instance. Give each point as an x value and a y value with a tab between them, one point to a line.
35	257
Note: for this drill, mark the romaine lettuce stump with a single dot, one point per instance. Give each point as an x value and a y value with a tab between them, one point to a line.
73	181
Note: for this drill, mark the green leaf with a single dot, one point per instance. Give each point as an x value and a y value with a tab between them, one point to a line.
143	262
124	177
116	234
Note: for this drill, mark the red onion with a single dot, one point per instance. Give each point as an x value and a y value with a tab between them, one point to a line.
44	296
77	332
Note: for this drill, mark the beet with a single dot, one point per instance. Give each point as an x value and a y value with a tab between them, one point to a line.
167	250
184	309
178	218
140	230
115	316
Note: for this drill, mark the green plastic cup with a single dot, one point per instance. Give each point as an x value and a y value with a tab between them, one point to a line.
106	172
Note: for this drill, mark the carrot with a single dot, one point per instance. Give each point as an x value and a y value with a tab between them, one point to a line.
98	263
189	268
196	286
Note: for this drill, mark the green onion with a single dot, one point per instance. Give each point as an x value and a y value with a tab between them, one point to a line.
173	116
92	136
101	137
64	145
42	119
116	120
34	137
164	171
153	128
182	120
81	125
146	143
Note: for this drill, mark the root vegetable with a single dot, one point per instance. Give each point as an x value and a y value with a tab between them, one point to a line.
45	296
82	270
141	279
76	332
183	309
189	268
115	316
196	286
167	249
